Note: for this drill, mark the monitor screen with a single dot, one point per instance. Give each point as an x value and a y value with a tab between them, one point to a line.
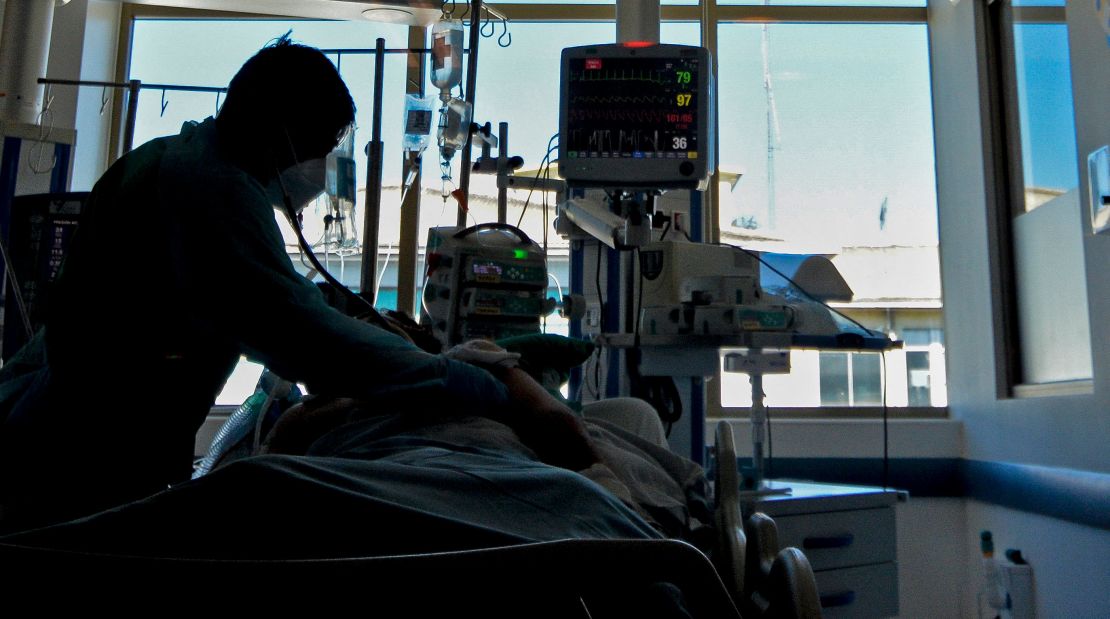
633	107
636	116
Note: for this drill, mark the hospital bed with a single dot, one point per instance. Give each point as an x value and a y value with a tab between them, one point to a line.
565	578
556	579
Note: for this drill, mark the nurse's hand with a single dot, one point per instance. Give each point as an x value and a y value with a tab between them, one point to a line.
545	424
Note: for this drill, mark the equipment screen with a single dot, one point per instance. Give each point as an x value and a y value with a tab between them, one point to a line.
632	107
486	268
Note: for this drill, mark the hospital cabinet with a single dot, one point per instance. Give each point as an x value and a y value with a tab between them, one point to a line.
848	535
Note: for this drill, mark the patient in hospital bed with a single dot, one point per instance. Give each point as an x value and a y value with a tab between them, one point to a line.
339	478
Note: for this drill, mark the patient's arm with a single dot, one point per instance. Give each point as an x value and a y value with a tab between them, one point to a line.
545	424
542	422
301	425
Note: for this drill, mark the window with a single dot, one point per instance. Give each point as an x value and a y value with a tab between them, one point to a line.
830	128
164	51
824	115
526	96
925	368
833	3
850	379
1047	125
1038	208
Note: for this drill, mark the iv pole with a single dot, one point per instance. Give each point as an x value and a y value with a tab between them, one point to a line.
471	86
133	87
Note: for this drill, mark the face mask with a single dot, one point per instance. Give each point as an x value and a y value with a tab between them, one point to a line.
303	182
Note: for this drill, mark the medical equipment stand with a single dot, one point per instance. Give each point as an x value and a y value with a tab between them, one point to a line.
756	363
752	479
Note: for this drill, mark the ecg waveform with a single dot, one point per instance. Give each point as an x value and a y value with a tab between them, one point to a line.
607	140
611	114
606	100
623	75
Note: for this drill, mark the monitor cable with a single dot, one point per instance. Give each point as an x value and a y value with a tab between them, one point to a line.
17	291
370	314
658	391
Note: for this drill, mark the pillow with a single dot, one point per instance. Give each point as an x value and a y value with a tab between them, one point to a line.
548	357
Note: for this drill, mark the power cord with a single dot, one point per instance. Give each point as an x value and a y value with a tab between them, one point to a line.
770	445
371	312
886	416
659	391
544	164
17	290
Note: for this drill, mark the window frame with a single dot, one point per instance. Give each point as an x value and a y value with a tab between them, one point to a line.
1006	191
707	13
715	409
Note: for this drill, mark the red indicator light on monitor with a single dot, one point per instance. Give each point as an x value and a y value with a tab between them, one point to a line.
638	44
593	64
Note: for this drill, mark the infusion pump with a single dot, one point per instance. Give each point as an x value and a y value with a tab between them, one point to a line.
704	289
696	288
488	281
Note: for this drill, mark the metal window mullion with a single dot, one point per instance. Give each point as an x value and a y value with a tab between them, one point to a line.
821	14
849	373
114	148
129	13
843	412
557	12
409	242
711	214
723	14
1010	100
586	12
1037	14
990	25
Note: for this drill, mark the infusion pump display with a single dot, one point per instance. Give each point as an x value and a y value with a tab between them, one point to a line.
635	116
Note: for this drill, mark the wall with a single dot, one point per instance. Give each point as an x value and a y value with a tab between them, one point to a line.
1069	561
931	580
1066	432
83	46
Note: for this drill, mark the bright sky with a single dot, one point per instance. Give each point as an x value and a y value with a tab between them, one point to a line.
1047	120
853	103
853	126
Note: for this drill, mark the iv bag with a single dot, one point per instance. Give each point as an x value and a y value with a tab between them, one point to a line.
341	193
454	127
418	122
447	52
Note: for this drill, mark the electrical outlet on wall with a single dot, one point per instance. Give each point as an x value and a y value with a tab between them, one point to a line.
1017	580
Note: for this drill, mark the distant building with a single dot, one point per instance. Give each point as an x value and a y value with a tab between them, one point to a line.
897	292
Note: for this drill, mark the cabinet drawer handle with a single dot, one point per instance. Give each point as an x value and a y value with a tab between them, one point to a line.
840	598
828	541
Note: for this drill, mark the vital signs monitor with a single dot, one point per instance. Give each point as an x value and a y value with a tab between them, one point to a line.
636	115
